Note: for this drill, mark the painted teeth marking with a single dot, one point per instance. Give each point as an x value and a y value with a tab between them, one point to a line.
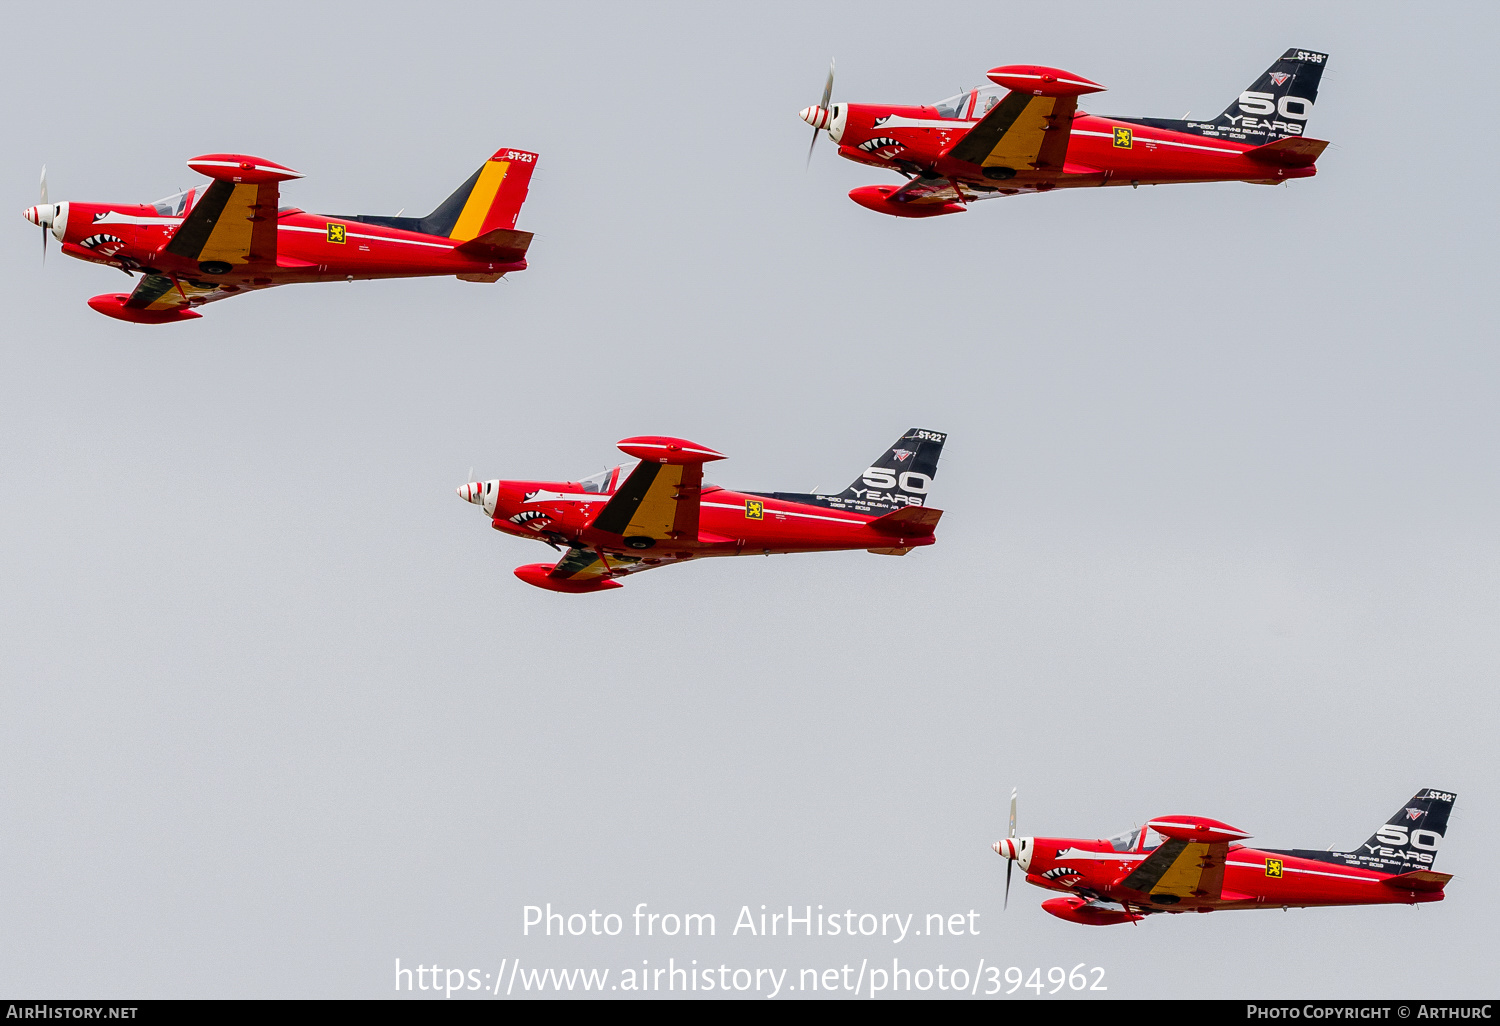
100	241
878	143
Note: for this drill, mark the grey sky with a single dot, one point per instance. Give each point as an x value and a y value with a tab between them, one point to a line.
1220	492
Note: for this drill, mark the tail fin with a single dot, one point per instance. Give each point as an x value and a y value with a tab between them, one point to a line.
899	476
1410	838
1278	103
902	474
490	199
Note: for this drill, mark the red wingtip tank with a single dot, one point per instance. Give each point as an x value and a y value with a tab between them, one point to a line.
112	304
878	199
1042	81
240	167
664	449
1196	828
1077	910
537	574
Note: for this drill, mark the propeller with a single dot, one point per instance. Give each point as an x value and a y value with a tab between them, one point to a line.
1010	863
45	228
821	114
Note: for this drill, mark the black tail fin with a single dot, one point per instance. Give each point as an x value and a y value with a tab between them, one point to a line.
1410	838
902	474
899	476
1278	103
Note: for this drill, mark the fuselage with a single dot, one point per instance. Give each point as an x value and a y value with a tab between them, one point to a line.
1100	151
309	247
729	522
1253	878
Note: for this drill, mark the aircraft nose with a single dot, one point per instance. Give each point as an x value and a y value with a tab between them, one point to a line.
1005	849
815	116
471	492
41	215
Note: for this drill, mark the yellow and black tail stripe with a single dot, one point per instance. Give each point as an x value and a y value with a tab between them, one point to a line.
481	197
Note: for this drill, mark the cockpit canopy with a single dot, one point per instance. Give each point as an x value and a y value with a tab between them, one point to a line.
1136	839
606	482
175	205
971	105
602	482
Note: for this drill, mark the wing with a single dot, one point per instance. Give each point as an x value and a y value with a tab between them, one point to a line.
156	293
234	223
657	500
1022	132
924	191
1184	869
584	565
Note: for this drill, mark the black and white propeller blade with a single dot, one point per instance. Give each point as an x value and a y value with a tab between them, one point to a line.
45	227
1010	863
822	113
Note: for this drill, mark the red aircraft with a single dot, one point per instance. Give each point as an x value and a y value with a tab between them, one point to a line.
660	511
1192	864
1026	134
233	237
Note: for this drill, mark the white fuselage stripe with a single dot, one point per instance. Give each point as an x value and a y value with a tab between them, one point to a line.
358	235
1310	872
1063	81
1099	856
680	448
253	167
567	497
1160	142
788	513
115	217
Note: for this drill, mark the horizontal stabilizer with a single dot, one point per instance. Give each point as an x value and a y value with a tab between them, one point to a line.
909	521
1293	151
1419	880
502	245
